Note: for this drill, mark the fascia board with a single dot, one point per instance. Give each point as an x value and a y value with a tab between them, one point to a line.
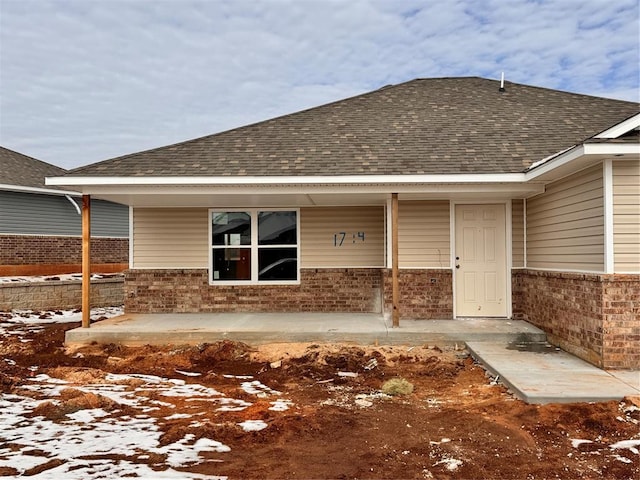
578	153
46	191
213	190
346	180
612	149
621	128
551	163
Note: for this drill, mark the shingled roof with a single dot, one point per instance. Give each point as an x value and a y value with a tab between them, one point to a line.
23	171
425	126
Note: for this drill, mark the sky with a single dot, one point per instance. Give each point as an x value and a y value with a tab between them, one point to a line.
87	80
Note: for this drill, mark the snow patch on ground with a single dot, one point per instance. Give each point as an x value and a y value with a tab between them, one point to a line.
55	278
253	425
22	322
77	438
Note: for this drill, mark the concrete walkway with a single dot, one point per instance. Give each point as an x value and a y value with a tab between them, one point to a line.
361	328
513	350
539	373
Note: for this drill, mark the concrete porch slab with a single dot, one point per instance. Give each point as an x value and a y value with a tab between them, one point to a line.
552	376
359	328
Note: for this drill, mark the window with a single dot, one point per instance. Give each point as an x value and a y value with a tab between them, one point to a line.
254	246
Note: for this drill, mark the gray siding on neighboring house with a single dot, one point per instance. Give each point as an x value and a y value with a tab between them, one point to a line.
108	219
37	214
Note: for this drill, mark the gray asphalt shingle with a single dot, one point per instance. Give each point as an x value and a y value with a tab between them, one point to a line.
24	171
424	126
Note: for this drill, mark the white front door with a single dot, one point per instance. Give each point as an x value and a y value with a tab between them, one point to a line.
480	261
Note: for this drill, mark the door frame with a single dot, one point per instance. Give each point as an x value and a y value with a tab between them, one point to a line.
507	249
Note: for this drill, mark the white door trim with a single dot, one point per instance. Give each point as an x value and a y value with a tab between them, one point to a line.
508	246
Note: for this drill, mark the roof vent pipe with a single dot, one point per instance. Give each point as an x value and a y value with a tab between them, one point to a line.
501	89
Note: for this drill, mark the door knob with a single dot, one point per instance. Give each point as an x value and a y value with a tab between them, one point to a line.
457	266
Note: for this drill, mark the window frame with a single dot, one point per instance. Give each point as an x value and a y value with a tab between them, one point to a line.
254	246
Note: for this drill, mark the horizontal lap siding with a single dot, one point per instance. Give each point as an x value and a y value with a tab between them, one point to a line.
170	238
319	227
565	225
626	216
517	233
36	214
108	219
423	234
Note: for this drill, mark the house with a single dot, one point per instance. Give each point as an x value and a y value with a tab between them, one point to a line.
434	198
40	226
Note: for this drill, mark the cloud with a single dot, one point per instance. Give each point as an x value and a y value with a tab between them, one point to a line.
84	81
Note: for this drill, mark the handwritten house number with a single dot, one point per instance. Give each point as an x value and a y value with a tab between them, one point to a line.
339	238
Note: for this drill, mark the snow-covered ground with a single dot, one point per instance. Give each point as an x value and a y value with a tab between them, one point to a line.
20	322
75	441
48	278
82	444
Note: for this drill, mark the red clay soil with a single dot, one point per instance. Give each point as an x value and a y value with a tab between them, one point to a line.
454	425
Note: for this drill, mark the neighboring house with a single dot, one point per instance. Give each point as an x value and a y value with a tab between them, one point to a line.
40	226
520	202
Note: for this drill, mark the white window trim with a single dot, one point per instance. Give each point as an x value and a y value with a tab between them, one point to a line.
253	212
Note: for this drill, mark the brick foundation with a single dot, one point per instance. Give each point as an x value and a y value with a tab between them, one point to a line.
188	291
29	254
595	317
424	294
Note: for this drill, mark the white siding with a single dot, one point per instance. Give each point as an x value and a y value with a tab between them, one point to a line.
517	233
423	234
321	234
170	238
626	217
565	225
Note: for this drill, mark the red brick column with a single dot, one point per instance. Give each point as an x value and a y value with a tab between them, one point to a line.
424	294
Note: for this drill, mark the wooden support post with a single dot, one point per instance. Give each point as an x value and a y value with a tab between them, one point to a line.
395	287
86	261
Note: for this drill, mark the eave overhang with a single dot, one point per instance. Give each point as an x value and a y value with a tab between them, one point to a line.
42	191
301	191
166	191
578	158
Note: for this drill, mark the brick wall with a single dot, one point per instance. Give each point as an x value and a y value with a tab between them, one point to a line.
424	294
320	290
53	295
596	317
36	249
621	321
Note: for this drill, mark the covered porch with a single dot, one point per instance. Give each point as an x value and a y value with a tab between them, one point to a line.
253	328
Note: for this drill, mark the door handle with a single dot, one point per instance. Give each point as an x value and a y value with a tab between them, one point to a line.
457	266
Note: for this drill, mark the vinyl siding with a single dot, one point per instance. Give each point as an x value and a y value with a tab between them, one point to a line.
626	217
517	233
170	238
565	225
36	214
423	234
320	235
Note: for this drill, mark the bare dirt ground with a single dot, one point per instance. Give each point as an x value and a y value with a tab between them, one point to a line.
288	411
